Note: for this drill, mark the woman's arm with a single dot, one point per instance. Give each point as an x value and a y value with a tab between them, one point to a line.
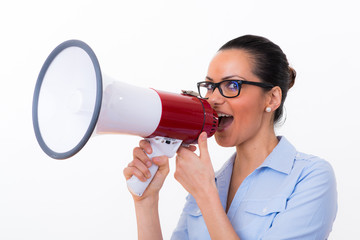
146	206
147	219
216	220
197	176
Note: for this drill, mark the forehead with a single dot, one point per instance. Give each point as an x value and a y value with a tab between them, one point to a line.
231	62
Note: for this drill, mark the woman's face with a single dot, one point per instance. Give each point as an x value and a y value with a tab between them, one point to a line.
242	117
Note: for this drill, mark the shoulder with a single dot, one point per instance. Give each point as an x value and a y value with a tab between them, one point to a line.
311	165
314	181
299	163
310	198
298	171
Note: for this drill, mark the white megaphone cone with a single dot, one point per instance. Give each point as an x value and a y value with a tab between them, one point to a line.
128	109
73	101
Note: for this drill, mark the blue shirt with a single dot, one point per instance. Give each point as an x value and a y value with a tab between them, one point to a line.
292	195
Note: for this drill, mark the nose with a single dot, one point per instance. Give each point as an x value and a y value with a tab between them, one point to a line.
215	98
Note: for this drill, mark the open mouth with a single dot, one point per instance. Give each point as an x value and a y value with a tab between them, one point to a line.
225	120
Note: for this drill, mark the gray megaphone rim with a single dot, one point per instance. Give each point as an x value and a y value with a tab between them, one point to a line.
98	100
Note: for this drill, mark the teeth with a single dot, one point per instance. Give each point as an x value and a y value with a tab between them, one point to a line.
223	115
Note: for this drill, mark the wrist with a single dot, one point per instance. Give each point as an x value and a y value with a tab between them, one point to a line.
147	201
207	193
147	217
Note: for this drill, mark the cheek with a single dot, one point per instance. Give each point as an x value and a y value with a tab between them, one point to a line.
247	112
247	116
247	119
245	125
246	122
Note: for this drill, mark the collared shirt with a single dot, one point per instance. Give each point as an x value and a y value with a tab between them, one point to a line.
292	195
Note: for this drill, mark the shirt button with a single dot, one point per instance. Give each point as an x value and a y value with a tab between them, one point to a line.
264	210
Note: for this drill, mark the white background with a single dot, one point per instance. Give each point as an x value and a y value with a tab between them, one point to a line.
166	45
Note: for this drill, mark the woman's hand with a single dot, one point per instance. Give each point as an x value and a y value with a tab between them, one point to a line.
139	168
195	173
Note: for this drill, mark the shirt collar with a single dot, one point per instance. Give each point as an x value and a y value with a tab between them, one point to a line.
222	179
282	157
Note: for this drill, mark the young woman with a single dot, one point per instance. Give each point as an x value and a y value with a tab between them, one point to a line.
267	189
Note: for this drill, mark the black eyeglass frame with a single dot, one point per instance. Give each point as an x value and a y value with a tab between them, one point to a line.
240	82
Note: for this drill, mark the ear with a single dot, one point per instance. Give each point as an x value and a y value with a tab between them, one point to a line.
274	98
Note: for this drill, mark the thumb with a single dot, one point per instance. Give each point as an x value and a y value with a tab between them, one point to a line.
203	147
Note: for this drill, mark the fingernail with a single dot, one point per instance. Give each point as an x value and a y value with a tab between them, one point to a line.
203	136
148	163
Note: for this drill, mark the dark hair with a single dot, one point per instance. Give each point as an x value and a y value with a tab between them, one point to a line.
270	64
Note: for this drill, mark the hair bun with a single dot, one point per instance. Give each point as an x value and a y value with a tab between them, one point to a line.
292	74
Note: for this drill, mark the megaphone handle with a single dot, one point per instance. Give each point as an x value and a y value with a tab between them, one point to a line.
160	146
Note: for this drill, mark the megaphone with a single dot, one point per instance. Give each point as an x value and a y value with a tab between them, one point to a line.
73	101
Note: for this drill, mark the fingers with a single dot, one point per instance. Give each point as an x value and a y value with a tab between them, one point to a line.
160	161
191	148
138	153
195	173
141	162
133	171
138	169
163	163
145	145
203	147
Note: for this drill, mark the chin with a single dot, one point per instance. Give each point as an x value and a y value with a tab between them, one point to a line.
223	140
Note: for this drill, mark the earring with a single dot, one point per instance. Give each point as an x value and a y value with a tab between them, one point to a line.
268	109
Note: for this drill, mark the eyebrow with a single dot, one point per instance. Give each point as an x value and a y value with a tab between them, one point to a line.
225	78
209	78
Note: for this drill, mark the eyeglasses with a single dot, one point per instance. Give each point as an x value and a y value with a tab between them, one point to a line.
227	88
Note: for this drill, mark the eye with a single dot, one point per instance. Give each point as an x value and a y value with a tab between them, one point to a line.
205	88
231	86
207	85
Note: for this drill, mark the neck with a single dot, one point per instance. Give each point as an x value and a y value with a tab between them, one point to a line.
252	153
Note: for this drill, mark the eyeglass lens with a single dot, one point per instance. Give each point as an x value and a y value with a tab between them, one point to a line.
227	88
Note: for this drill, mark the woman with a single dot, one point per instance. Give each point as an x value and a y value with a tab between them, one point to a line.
267	189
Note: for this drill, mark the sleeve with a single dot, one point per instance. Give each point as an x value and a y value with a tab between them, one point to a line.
191	223
311	208
180	232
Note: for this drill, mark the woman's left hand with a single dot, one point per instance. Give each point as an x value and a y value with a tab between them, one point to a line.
195	173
